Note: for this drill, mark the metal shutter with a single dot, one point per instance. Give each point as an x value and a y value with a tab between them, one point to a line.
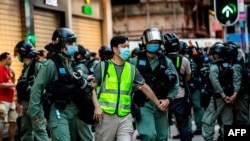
88	32
45	22
11	30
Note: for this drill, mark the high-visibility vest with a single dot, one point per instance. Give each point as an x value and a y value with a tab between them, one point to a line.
115	93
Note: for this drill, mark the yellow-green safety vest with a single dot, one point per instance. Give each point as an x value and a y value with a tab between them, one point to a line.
115	93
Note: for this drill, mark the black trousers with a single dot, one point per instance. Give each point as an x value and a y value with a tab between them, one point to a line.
181	111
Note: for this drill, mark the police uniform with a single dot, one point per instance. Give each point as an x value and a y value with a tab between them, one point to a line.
27	126
61	122
242	109
196	98
153	124
217	106
83	129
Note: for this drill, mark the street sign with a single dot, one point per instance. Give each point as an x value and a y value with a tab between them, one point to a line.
226	11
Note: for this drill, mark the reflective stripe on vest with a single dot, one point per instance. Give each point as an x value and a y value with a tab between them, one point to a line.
117	94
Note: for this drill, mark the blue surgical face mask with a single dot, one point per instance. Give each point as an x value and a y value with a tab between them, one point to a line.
152	48
124	53
20	58
71	49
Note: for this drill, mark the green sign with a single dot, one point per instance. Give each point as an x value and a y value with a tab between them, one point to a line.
226	11
86	9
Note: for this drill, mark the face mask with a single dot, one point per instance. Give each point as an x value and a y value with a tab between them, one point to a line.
124	53
71	49
152	48
20	58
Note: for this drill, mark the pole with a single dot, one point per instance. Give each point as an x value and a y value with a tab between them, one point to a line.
242	19
225	34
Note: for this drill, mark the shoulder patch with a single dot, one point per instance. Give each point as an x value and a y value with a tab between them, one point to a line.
142	62
62	70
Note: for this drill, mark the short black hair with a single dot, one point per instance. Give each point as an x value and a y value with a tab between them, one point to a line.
4	55
118	40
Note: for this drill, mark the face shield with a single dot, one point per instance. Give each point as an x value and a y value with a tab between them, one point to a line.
151	34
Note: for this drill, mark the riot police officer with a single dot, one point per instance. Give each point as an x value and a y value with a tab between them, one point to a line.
240	98
153	66
27	54
180	106
56	78
220	105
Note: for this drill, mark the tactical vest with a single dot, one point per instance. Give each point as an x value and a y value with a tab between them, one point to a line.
24	83
225	77
63	88
154	78
245	80
177	61
115	95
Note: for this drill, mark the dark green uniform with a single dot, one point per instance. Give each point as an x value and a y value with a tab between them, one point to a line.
61	122
153	125
83	129
222	109
28	129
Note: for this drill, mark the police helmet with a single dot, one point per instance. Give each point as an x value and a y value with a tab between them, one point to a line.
218	48
81	50
105	52
183	47
61	36
151	34
171	42
25	49
231	50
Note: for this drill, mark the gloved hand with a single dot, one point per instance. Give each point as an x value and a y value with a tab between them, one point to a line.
77	75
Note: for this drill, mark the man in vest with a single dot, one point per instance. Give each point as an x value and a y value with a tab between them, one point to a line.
153	65
220	105
113	93
180	107
56	77
27	54
241	95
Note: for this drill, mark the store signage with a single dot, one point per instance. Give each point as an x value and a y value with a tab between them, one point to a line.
51	2
87	10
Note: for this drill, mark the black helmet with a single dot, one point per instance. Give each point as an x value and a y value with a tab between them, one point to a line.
61	36
218	48
25	49
171	42
135	52
183	47
81	50
105	52
151	34
231	50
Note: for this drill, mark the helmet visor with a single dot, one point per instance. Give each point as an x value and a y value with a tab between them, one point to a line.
151	35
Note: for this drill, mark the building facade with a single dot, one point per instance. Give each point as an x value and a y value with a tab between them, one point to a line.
91	21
